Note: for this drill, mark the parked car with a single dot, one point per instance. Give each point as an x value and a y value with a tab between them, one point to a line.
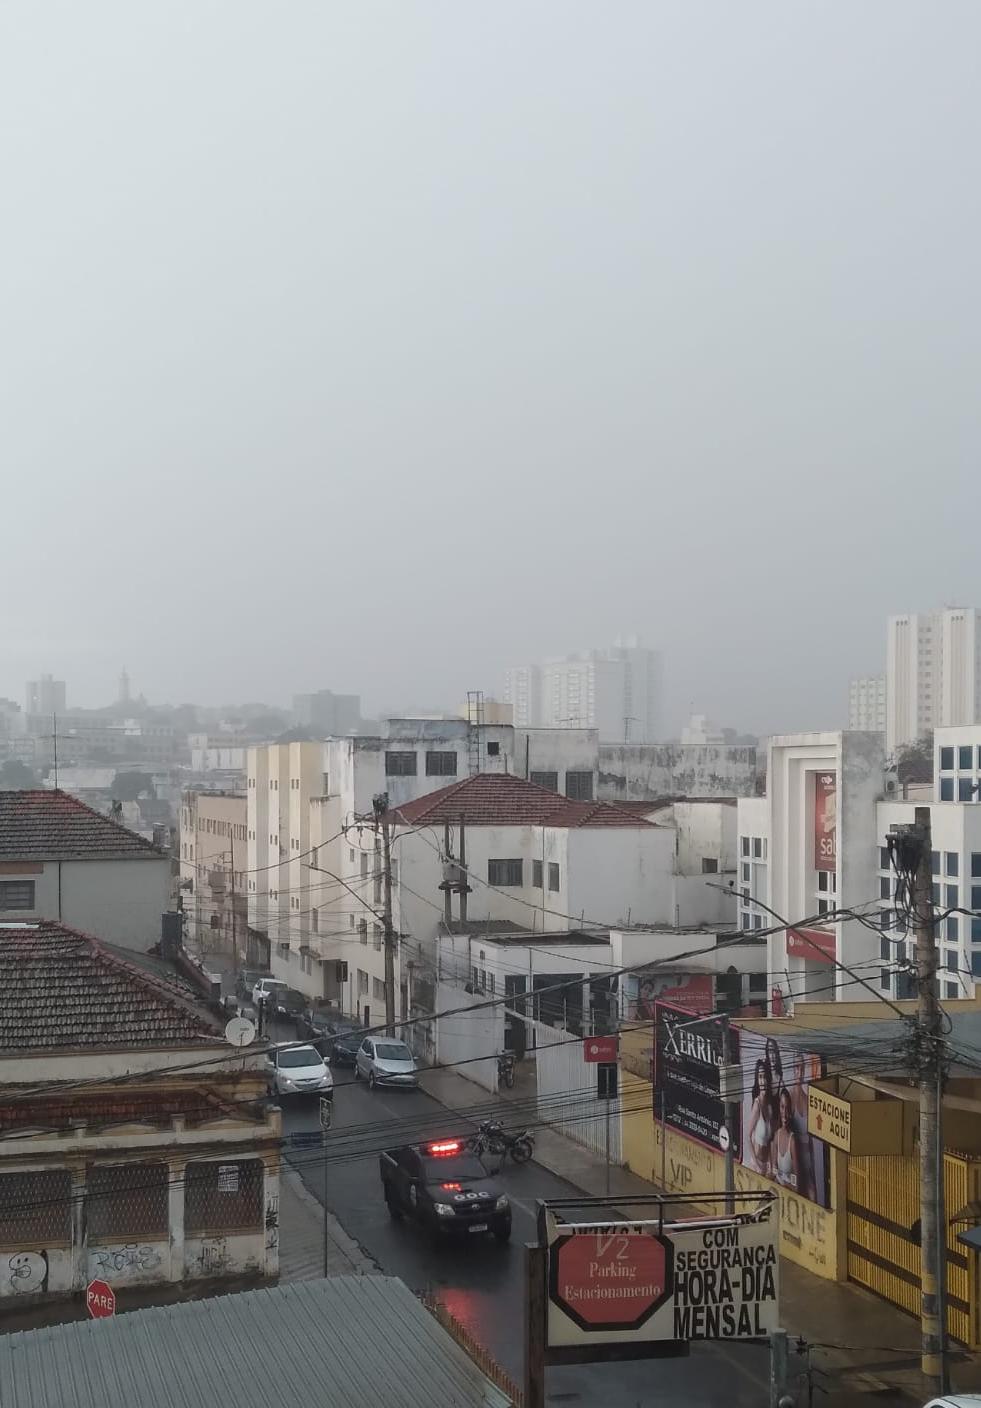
265	989
331	1033
287	1002
246	980
384	1061
446	1188
298	1070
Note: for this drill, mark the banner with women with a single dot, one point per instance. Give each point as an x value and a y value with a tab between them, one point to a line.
776	1144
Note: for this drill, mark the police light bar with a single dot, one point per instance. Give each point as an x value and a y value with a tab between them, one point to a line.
444	1147
450	1187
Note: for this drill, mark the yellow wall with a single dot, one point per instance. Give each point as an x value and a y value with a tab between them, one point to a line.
809	1235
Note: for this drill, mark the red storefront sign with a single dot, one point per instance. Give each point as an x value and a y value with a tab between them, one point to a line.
609	1279
825	821
600	1048
819	945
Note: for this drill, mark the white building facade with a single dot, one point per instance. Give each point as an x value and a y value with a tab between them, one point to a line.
867	704
933	673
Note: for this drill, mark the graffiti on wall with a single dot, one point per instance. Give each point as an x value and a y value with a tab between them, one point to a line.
114	1261
28	1273
272	1222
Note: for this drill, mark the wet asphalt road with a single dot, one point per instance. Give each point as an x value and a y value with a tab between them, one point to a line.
481	1282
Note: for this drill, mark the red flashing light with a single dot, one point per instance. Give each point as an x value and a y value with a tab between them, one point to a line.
444	1148
451	1187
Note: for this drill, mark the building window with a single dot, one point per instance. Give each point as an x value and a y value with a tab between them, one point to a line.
17	894
553	875
953	928
884	978
545	779
947	760
965	756
759	848
745	845
976	931
935	862
36	1209
952	990
315	920
362	982
885	887
885	947
757	921
885	918
976	897
884	862
946	789
746	870
965	789
377	990
223	1197
536	875
951	960
952	896
976	964
504	872
579	786
363	930
402	764
606	1080
710	865
934	894
744	921
364	865
493	749
440	764
127	1200
822	906
376	934
951	863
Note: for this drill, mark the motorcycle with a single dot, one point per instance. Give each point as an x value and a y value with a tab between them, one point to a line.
505	1069
492	1138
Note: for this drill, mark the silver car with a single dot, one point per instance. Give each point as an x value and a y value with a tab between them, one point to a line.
299	1070
382	1060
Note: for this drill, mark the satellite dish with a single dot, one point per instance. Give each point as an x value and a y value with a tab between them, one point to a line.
240	1032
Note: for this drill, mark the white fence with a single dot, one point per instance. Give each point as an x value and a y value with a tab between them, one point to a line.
567	1098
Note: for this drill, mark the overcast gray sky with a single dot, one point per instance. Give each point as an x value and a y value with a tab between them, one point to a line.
377	346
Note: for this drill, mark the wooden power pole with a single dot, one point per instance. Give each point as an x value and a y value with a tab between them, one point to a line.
933	1229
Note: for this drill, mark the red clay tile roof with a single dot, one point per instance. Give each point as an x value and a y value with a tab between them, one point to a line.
43	825
498	799
63	990
105	1109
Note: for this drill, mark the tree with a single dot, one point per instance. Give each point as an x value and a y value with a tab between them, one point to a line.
914	761
127	786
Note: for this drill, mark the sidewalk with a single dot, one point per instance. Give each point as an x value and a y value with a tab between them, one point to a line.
301	1237
825	1313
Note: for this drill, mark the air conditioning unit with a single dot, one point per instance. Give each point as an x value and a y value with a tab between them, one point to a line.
890	783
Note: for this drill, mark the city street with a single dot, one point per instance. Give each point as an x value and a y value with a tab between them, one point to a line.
483	1285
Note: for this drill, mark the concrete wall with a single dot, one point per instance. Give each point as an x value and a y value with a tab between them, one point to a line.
567	1097
117	900
636	772
469	1034
620	875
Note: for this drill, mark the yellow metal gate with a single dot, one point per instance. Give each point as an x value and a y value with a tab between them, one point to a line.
883	1252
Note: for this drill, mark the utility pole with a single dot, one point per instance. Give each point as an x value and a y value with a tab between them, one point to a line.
231	896
933	1229
380	806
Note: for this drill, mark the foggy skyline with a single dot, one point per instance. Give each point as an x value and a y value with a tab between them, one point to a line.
380	348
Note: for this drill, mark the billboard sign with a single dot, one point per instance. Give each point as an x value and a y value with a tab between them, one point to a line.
825	821
778	1140
688	1056
818	945
617	1283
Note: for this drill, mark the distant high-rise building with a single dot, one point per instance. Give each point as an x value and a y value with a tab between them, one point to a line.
45	696
933	673
124	691
523	691
616	690
326	713
867	704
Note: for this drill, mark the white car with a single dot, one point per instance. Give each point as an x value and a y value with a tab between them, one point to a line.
299	1070
267	988
956	1400
382	1060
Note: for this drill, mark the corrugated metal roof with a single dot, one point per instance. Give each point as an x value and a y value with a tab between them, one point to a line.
357	1341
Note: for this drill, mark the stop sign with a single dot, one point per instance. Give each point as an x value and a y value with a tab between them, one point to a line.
610	1280
100	1298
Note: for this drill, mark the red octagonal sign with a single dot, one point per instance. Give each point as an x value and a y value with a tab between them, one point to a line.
100	1298
610	1280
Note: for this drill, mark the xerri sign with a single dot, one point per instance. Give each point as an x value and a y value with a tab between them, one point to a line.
687	1059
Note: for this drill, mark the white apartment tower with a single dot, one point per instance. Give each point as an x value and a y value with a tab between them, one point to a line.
932	673
867	704
616	691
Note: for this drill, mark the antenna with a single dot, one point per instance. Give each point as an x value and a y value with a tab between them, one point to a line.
475	731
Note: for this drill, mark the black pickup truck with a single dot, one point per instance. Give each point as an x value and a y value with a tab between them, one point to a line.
447	1188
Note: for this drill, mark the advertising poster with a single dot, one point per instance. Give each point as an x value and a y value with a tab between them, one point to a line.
776	1142
694	992
687	1058
825	821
